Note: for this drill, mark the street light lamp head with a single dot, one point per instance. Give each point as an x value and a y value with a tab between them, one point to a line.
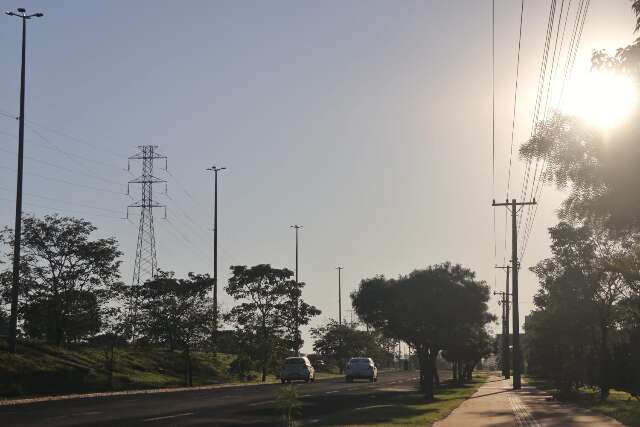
22	10
38	15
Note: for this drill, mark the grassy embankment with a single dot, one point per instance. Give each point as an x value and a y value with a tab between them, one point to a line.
39	369
620	405
406	406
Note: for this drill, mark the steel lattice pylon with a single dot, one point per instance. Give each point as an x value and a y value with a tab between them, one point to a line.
146	264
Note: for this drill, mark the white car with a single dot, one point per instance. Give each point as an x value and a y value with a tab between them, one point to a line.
361	367
297	368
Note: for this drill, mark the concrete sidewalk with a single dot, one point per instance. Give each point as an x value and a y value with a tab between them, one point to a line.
496	404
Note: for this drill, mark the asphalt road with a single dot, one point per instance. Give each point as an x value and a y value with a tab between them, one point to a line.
253	405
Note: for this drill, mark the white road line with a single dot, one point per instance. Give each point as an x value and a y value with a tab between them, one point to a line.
186	414
306	395
329	392
86	413
266	402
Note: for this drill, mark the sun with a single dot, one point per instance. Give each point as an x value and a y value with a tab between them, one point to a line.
604	99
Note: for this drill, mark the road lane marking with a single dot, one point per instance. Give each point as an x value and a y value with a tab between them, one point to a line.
77	414
266	402
186	414
306	395
333	391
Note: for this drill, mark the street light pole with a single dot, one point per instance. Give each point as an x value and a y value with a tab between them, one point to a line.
297	227
297	308
13	321
339	295
215	171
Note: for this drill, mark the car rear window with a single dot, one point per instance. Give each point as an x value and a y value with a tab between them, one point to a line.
295	361
359	360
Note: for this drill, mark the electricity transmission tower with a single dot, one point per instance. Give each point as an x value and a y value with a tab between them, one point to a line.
146	264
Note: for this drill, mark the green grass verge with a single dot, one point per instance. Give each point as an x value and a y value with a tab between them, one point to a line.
40	369
620	405
394	406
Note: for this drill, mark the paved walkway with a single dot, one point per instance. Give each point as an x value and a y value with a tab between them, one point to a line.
495	404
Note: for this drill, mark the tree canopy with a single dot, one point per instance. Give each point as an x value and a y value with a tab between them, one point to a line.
336	343
66	278
269	310
425	309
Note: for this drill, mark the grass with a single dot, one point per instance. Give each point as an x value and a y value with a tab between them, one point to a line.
620	405
405	407
39	369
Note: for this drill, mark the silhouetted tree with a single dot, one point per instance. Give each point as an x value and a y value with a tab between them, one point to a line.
424	309
337	343
578	305
467	346
177	312
266	312
66	278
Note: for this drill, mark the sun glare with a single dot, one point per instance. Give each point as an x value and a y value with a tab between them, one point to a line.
603	98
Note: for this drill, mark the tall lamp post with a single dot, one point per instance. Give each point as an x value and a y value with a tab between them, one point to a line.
215	171
297	319
13	321
339	295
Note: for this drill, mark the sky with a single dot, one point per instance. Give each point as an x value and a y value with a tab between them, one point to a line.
367	122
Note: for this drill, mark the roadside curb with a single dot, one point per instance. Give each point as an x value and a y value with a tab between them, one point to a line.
12	402
25	401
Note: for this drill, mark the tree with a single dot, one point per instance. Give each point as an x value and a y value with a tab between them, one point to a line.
424	309
468	345
578	305
337	343
178	313
266	311
599	169
584	327
66	278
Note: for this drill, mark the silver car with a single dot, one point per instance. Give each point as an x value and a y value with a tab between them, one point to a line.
361	367
297	368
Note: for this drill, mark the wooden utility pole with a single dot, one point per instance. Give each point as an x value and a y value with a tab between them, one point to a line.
512	206
506	356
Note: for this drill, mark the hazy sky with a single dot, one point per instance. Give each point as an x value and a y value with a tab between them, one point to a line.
368	122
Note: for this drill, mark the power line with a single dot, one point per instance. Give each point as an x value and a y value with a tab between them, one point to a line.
71	210
549	83
515	100
581	16
49	178
74	171
54	199
66	135
72	155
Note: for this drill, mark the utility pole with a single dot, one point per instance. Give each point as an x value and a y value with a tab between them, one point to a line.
517	357
339	296
13	320
215	171
506	357
297	319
